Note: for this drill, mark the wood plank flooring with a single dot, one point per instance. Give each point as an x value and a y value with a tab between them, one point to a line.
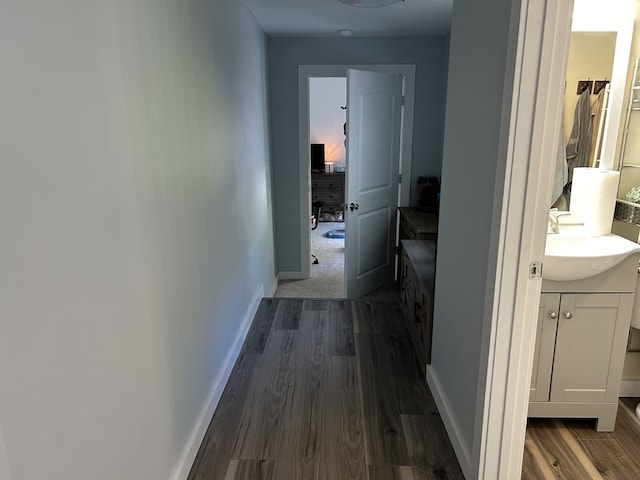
328	390
572	449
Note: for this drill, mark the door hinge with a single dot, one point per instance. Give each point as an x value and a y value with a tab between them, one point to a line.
402	101
399	178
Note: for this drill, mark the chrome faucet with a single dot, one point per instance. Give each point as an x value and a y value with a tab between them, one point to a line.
553	219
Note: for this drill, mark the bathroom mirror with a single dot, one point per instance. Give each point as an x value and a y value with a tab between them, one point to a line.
589	67
599	53
615	20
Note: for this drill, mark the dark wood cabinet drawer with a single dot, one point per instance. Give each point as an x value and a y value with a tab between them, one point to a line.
328	185
417	278
331	197
328	189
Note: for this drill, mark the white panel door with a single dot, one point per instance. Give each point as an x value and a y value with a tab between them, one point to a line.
373	150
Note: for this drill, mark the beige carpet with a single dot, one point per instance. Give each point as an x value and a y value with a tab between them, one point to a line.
327	276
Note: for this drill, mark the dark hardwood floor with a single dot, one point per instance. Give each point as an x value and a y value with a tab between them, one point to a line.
328	390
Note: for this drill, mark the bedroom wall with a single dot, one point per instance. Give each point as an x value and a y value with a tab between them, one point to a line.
137	233
326	118
285	54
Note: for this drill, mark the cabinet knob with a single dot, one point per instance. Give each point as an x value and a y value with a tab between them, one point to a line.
553	315
567	315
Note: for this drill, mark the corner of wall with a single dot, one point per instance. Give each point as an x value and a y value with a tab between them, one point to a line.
271	291
291	276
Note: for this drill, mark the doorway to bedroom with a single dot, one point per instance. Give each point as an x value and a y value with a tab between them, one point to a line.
401	162
327	118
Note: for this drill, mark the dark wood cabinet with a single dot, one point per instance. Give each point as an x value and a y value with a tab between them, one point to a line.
328	188
415	225
417	277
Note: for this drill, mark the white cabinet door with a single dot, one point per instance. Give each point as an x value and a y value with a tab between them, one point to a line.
545	347
589	348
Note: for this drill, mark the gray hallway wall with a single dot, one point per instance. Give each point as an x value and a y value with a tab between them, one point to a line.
136	228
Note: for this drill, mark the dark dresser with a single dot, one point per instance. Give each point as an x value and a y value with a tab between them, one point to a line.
328	188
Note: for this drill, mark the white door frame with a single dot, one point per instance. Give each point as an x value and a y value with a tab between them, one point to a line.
529	139
304	138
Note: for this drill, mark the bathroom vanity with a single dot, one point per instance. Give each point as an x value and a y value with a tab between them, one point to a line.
581	340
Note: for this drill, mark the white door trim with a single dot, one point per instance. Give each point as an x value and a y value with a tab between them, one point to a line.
304	73
531	122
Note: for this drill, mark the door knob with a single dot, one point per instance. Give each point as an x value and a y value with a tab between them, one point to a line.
553	315
568	315
353	206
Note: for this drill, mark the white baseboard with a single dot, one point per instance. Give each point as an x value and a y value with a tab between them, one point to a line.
630	388
274	287
450	422
291	276
213	398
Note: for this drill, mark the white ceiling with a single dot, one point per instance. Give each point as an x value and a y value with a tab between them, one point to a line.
326	17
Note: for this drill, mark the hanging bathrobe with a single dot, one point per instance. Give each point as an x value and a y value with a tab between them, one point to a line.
560	172
598	114
580	139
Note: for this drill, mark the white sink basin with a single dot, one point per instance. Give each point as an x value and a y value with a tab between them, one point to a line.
574	257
